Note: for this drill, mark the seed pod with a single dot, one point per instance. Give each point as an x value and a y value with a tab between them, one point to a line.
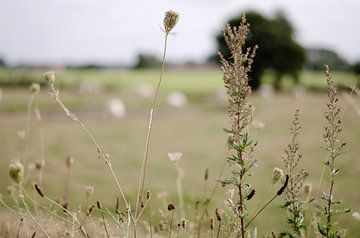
183	223
251	194
117	207
148	195
39	191
281	190
218	214
171	207
206	174
91	208
212	223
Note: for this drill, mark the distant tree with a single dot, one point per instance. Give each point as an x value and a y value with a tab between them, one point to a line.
318	57
356	68
277	51
2	63
147	61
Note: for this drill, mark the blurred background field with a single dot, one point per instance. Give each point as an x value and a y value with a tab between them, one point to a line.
195	128
107	57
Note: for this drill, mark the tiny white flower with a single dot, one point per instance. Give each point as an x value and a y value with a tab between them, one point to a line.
175	156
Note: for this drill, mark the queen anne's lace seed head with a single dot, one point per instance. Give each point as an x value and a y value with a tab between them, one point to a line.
170	20
16	171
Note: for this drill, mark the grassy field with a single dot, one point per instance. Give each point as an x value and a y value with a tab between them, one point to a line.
196	130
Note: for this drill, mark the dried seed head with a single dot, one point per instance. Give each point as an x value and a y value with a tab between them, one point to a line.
16	171
206	174
69	162
307	189
50	77
277	174
170	20
98	204
39	164
148	195
35	88
212	223
218	214
171	207
39	191
89	190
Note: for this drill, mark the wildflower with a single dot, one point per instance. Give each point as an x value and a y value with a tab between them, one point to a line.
170	20
50	77
16	171
277	174
175	156
35	88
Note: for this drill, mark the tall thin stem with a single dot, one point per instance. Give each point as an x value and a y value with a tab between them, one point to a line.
148	137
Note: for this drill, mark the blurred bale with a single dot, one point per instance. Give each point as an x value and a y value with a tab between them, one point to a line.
144	90
116	108
176	99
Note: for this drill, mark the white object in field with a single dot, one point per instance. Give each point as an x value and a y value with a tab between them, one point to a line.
299	92
145	90
356	216
89	88
116	107
266	91
176	99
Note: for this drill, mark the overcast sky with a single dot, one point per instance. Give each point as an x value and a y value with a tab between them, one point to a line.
114	31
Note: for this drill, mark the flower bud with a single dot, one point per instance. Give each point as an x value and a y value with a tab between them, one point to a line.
35	88
16	171
171	207
170	20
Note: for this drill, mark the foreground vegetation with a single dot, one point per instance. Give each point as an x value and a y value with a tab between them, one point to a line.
60	205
